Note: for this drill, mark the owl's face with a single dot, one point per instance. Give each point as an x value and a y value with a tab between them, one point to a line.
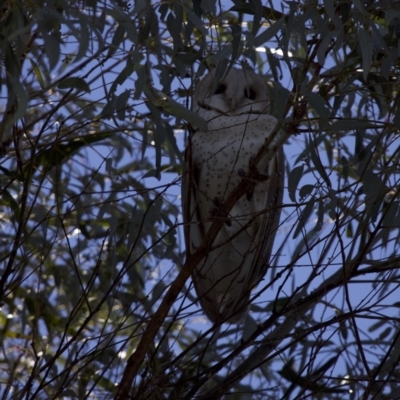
240	92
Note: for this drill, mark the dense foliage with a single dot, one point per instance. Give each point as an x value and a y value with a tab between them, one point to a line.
96	298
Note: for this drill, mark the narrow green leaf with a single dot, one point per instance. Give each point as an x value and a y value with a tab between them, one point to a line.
158	291
58	153
195	20
236	31
385	333
258	10
52	46
396	119
38	73
348	124
366	51
375	326
343	331
293	181
277	305
83	38
176	109
349	230
305	191
305	215
318	165
132	64
174	28
70	392
107	110
121	104
269	33
391	217
332	204
21	95
326	365
330	10
282	96
151	174
173	146
372	188
140	82
116	40
359	6
250	326
268	13
225	52
318	104
322	49
320	220
8	199
208	6
76	83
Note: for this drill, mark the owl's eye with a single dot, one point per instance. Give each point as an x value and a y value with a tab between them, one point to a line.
220	88
250	93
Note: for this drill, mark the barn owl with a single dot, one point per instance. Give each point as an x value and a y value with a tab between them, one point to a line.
216	159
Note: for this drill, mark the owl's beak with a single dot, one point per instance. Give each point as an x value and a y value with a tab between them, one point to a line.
233	103
232	95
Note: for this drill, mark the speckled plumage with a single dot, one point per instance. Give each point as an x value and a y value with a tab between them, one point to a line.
238	124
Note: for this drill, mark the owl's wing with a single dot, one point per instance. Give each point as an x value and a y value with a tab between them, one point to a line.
186	196
269	222
194	226
192	218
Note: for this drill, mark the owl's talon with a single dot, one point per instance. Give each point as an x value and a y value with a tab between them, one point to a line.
219	213
257	178
249	193
261	177
217	202
241	172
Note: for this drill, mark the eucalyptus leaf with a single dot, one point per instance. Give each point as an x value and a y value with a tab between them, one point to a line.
74	83
366	51
293	181
304	216
38	74
269	33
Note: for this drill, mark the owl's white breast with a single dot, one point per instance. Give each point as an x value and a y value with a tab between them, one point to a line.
225	148
219	153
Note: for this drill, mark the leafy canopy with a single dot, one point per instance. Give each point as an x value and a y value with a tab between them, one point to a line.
95	105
